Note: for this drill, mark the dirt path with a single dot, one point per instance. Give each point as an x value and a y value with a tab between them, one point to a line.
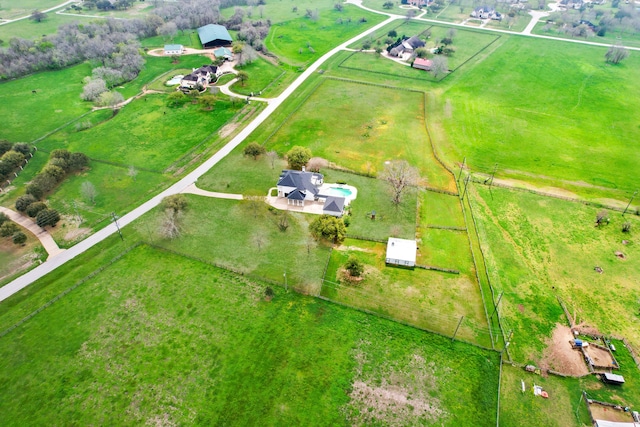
45	238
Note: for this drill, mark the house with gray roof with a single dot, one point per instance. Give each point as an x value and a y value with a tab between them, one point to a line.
298	186
334	206
214	35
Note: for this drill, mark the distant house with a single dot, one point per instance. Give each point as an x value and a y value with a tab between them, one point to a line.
407	45
418	3
401	252
486	12
200	77
223	52
422	64
214	35
173	49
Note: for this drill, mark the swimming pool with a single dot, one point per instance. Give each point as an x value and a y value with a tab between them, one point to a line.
175	80
339	192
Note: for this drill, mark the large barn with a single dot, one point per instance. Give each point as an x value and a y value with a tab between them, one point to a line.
213	35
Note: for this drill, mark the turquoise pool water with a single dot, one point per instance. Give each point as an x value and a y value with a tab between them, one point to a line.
339	192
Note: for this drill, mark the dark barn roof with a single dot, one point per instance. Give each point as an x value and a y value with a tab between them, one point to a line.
213	35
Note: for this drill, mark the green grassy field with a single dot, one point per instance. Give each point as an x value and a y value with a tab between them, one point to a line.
28	29
278	11
188	39
28	116
427	299
263	76
301	41
146	133
538	248
220	354
551	131
377	125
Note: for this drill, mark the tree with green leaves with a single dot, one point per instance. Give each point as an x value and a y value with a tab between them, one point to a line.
329	228
23	202
47	217
8	228
298	157
254	150
175	203
35	208
19	238
354	266
242	77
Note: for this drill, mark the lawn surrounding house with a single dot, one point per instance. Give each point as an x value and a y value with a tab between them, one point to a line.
149	345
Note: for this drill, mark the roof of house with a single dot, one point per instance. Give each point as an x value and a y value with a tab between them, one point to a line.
222	51
423	62
296	195
415	42
334	204
172	47
211	69
299	179
192	77
211	32
402	249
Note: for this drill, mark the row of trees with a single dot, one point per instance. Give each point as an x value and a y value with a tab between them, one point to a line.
9	229
11	157
34	208
61	163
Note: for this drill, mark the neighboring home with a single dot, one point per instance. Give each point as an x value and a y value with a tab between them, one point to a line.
407	46
214	35
298	186
173	49
333	206
200	77
486	12
422	64
401	252
223	52
418	3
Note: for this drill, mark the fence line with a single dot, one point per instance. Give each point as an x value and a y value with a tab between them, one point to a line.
632	352
68	290
446	227
16	173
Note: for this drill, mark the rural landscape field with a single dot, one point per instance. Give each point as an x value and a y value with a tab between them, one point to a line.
367	213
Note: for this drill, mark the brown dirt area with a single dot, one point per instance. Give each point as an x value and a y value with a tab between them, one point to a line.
599	356
606	413
559	356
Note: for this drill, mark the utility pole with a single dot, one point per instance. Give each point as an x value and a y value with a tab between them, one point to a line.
115	220
462	167
629	204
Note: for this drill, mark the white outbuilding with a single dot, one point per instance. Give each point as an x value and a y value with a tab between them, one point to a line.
401	252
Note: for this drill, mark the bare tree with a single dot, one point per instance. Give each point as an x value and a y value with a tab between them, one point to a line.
168	30
439	66
615	54
400	176
89	192
38	16
258	239
93	89
411	13
170	227
272	156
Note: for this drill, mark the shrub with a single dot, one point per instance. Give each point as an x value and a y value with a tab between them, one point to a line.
47	217
254	150
55	172
328	227
298	157
23	202
3	218
354	266
60	153
13	158
8	228
35	208
22	148
78	161
19	238
4	146
34	189
60	163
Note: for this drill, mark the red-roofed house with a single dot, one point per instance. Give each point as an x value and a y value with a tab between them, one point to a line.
423	64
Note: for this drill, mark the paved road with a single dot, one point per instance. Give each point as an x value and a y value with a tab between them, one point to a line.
45	238
54	262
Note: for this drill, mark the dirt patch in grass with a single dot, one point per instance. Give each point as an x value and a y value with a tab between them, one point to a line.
399	398
599	356
228	130
606	413
559	355
76	233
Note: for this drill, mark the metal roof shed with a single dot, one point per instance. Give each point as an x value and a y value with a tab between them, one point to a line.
612	378
214	35
401	252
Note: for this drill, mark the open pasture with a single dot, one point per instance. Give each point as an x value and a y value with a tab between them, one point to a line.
377	124
301	41
263	77
538	110
13	10
146	133
27	115
538	248
28	29
163	328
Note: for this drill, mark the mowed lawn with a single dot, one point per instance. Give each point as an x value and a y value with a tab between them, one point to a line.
538	248
28	29
146	133
546	108
170	340
27	116
427	299
376	125
263	76
302	40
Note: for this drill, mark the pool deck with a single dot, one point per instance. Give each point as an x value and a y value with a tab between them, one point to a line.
309	206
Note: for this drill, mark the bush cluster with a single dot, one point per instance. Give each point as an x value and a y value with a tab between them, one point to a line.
10	229
11	157
61	163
